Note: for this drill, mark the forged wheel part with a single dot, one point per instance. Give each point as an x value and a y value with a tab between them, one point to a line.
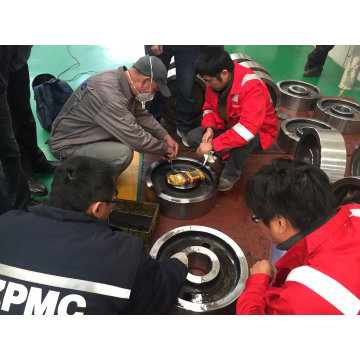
169	112
340	113
298	95
181	203
273	89
240	57
217	267
292	129
347	190
324	149
254	66
355	161
283	116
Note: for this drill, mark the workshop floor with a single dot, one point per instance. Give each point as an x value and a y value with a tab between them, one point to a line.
230	214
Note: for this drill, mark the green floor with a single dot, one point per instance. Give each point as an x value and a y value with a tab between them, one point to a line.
282	61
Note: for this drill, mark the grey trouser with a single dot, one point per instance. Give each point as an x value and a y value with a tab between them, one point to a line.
116	154
237	156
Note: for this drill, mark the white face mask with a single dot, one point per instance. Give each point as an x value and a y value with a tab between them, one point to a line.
144	97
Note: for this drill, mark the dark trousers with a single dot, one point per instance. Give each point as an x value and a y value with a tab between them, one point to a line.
14	190
237	156
185	56
318	56
24	126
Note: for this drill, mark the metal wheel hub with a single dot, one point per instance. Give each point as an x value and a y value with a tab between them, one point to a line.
355	161
217	267
347	190
298	95
344	115
177	202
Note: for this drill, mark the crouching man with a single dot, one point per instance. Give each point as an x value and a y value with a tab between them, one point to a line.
64	258
294	205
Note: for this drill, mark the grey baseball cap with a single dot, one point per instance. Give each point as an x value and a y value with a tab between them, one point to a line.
159	72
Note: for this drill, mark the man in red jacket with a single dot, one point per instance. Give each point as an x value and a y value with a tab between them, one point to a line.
318	275
238	116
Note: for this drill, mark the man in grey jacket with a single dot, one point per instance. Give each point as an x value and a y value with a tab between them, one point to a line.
104	117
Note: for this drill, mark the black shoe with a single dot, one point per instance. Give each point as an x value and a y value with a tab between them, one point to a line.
46	167
315	71
36	187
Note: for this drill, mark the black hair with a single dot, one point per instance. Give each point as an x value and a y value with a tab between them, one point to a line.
79	181
212	60
295	190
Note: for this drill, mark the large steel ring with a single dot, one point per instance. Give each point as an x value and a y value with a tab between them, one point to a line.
325	149
179	203
169	112
217	267
347	190
340	113
292	129
298	95
240	57
355	161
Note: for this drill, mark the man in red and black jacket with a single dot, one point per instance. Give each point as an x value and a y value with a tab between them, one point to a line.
238	115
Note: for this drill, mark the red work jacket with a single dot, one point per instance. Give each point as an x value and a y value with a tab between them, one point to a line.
333	249
249	111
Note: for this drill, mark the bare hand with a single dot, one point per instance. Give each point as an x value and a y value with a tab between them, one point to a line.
173	147
157	49
208	136
204	148
262	267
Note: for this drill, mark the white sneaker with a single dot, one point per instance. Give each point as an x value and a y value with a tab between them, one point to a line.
182	135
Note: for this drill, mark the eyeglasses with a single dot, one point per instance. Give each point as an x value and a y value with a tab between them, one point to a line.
115	201
255	219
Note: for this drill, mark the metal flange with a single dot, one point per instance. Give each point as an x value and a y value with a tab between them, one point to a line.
181	203
324	149
292	129
340	113
240	57
347	190
169	112
298	95
355	161
217	268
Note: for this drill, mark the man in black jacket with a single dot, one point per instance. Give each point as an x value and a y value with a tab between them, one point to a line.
64	258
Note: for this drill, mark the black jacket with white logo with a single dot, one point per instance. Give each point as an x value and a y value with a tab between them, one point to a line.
54	261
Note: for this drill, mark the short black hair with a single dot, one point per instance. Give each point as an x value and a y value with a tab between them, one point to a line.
79	181
295	190
212	60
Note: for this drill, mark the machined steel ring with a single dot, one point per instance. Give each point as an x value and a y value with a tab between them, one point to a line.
324	149
240	57
347	190
340	113
355	161
217	268
178	203
292	129
298	95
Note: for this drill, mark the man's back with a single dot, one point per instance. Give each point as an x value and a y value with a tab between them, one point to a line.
65	262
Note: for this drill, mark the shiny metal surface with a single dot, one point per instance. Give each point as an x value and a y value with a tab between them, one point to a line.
169	112
355	161
254	66
240	57
292	129
347	190
298	95
181	203
340	113
224	289
324	149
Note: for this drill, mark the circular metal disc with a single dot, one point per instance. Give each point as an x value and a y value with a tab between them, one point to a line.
347	190
227	282
355	161
292	129
181	203
298	95
324	149
340	113
240	57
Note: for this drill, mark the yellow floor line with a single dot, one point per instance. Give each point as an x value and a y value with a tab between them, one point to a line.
127	182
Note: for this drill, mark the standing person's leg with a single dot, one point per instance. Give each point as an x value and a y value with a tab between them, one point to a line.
234	164
316	60
156	106
116	154
185	56
13	182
